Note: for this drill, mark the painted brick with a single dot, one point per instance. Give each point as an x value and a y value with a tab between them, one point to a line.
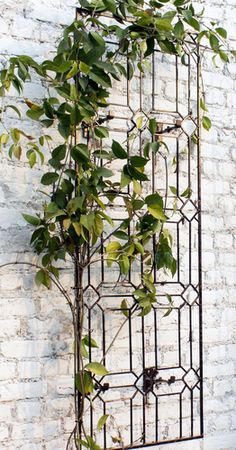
28	410
7	371
26	349
22	390
29	369
35	329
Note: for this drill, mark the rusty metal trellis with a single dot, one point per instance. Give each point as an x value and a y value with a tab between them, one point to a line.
153	392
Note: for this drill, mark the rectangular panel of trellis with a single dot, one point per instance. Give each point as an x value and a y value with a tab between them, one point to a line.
153	392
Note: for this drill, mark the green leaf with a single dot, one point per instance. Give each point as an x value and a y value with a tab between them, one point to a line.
154	200
203	105
14	109
222	32
52	210
180	2
223	55
90	342
103	172
93	55
118	151
84	67
111	5
59	152
4	138
164	257
130	71
42	277
136	174
78	228
168	312
88	221
83	443
17	151
73	71
74	204
35	221
206	122
157	212
113	247
97	368
214	42
80	153
102	154
102	422
187	193
124	264
15	134
137	187
179	30
35	115
100	77
139	247
145	311
194	23
31	155
152	126
163	24
48	110
125	180
84	383
138	161
173	190
150	42
64	67
83	350
96	39
101	132
73	93
167	47
121	235
92	444
124	308
49	178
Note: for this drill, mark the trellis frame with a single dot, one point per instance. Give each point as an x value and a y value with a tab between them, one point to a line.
148	375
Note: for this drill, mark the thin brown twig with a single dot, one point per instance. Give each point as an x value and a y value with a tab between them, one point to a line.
36	266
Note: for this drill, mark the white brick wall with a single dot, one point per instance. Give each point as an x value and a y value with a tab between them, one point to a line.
35	348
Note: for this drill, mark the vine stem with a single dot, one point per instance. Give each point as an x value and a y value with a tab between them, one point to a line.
36	266
117	334
70	437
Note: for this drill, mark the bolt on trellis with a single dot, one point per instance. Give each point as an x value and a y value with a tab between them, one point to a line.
153	392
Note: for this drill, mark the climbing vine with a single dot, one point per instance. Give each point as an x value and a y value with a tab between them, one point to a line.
74	223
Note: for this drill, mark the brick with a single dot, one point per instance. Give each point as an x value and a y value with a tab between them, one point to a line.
29	369
222	388
57	407
3	431
14	391
219	369
7	371
218	353
25	431
28	410
9	327
35	326
26	349
64	385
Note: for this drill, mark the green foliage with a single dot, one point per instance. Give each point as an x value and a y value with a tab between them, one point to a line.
102	422
206	122
96	368
164	257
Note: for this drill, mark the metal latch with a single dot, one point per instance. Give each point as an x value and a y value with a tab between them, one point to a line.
150	379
